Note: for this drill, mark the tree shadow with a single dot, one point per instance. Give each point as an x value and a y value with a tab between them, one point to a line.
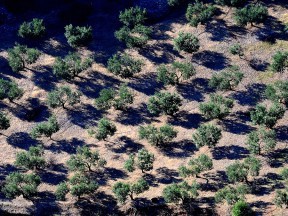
231	152
260	205
278	158
109	173
40	78
167	176
267	184
187	120
52	178
211	59
236	127
21	140
253	94
68	146
182	149
151	179
258	64
126	145
282	133
216	180
5	170
218	30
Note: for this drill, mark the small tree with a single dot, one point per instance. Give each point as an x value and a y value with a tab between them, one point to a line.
81	185
124	98
196	166
284	173
145	160
231	3
17	184
199	13
78	35
70	66
278	92
186	42
241	208
180	192
227	80
4	121
281	198
157	136
207	134
231	194
133	16
104	129
85	160
261	115
279	61
61	96
61	191
218	107
10	90
236	49
33	29
32	159
261	140
20	56
252	13
105	99
123	190
164	103
129	164
46	129
175	73
124	66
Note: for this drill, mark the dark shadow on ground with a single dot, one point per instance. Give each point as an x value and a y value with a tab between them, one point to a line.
68	146
278	158
282	133
218	30
126	145
258	64
187	120
21	140
167	176
236	127
182	149
231	152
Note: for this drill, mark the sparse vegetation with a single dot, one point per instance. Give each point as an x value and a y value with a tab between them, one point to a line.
252	13
78	36
10	90
186	42
33	29
46	129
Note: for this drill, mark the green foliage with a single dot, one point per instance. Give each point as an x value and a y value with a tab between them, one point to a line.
78	35
261	115
4	121
175	73
104	129
32	159
261	140
124	66
61	191
105	99
175	193
46	129
33	29
199	13
241	208
122	190
164	103
157	136
186	42
278	92
81	185
70	66
10	90
174	3
17	184
133	16
252	13
85	160
145	160
62	95
196	166
236	49
279	61
129	164
20	55
227	80
231	194
233	3
207	134
218	107
284	173
281	198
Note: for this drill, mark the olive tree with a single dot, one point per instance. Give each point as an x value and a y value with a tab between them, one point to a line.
61	191
164	103
186	42
231	194
32	159
85	159
207	134
17	184
157	136
279	61
252	13
62	96
278	92
78	36
46	129
241	208
281	198
175	73
237	49
231	3
10	90
20	56
105	128
33	29
4	121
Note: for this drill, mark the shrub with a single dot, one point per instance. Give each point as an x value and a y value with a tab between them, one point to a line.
32	159
4	121
196	166
10	90
175	193
123	98
218	107
81	185
104	129
279	61
284	173
199	13
186	42
164	103
19	56
124	66
70	66
227	80
105	99
61	191
175	73
237	49
78	36
233	3
261	115
231	194
46	129
278	92
85	160
33	29
252	13
129	164
145	160
157	136
281	198
62	95
133	16
241	208
207	134
17	184
261	140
